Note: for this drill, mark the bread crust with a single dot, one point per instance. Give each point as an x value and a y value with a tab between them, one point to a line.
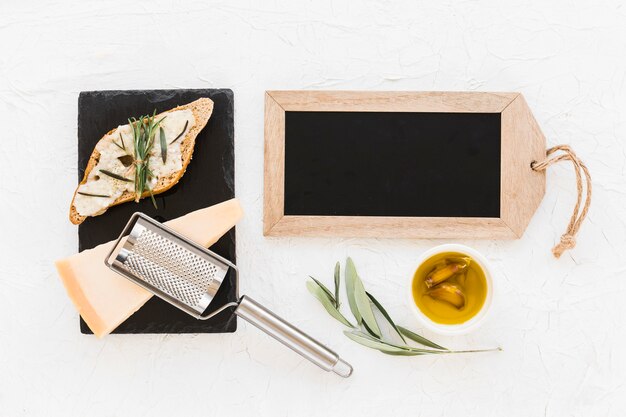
202	110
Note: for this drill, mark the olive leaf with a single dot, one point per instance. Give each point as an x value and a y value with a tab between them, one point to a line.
370	342
419	339
351	278
337	283
327	291
385	315
319	293
362	302
370	331
367	340
358	300
385	347
405	353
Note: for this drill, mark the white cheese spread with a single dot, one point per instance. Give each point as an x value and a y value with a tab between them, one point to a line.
104	189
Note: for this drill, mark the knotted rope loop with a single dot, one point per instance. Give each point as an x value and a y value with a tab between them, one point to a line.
568	239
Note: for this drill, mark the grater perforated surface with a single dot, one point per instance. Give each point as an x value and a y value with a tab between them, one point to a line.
171	268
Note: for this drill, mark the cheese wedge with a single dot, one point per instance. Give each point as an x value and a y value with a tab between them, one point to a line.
105	299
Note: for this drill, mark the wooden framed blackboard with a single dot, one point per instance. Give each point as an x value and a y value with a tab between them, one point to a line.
400	164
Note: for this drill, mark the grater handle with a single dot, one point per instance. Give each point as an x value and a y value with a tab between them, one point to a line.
292	337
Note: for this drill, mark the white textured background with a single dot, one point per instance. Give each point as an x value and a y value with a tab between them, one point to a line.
561	323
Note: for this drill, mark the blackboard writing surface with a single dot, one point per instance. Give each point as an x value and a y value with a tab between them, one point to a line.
394	164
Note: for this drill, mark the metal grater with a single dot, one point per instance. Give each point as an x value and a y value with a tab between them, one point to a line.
174	268
188	276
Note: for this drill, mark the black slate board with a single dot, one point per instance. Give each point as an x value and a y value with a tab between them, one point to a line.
209	179
392	164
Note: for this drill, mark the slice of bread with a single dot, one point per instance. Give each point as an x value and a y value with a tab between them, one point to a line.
202	109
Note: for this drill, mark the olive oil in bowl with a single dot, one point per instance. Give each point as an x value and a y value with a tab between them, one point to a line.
450	288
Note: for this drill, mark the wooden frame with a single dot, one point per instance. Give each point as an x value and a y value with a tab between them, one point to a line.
521	188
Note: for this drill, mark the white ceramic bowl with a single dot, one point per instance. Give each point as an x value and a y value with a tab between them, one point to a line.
474	322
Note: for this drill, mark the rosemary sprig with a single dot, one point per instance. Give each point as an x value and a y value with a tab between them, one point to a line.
114	175
144	130
93	195
367	331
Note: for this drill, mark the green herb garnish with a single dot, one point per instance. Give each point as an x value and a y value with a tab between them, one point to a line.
181	133
114	175
93	195
163	144
144	130
367	331
123	146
